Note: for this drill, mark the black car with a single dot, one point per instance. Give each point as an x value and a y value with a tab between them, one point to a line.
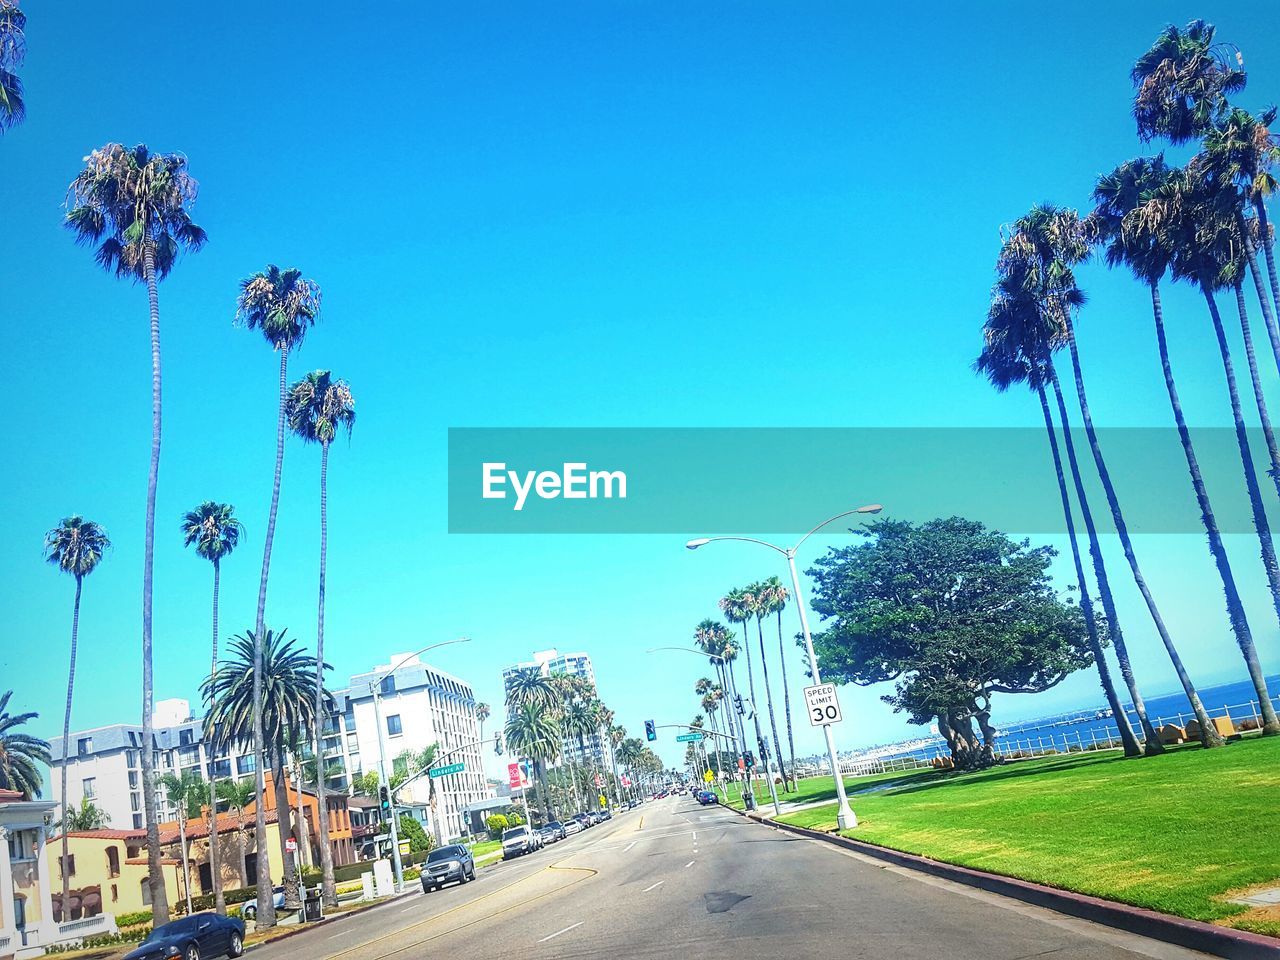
193	938
447	864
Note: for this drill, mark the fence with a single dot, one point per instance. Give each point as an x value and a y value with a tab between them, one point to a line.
1087	734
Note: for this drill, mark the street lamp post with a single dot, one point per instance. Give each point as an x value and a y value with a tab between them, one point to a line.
383	779
845	817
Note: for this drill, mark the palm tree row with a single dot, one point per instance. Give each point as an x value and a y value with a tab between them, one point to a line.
1200	224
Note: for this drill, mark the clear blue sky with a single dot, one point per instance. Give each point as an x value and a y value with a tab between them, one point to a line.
598	214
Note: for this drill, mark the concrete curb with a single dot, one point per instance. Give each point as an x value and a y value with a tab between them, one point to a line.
337	917
1205	937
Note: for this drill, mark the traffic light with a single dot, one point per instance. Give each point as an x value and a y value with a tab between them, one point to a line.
738	701
749	759
384	795
650	731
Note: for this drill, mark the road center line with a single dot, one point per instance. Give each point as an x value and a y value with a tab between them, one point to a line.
690	864
565	930
653	886
630	845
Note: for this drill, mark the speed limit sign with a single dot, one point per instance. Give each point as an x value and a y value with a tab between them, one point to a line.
822	704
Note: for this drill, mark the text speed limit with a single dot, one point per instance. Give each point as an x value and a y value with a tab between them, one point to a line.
822	704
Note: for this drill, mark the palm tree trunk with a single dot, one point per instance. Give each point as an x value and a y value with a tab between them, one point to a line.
786	704
215	862
266	916
1235	608
1251	255
155	872
329	888
768	698
66	751
742	730
244	846
1152	745
1264	417
281	789
1130	743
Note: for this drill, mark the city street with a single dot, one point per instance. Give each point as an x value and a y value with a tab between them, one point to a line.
677	879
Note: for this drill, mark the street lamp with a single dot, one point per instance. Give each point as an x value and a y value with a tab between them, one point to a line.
383	780
845	817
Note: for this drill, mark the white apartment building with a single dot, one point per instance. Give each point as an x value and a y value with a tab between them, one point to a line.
598	749
420	705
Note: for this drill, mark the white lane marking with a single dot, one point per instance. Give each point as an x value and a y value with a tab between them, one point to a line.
630	845
337	935
690	864
653	886
565	930
694	834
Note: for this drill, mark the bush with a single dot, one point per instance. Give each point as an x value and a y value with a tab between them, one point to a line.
105	940
411	830
514	820
496	823
133	919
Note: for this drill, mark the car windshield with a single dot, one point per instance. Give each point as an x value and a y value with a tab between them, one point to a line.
553	825
176	928
515	833
444	853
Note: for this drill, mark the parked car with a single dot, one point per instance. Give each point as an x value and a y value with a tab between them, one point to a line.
572	826
606	814
553	831
192	938
517	841
583	820
705	797
447	864
250	910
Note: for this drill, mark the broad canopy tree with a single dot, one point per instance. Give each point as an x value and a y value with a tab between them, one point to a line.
953	613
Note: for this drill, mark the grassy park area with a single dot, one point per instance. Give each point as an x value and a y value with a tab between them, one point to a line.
1177	833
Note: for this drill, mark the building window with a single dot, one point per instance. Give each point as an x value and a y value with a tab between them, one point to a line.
135	802
244	764
115	893
113	866
137	821
85	746
184	738
131	758
393	725
89	788
133	779
67	867
146	892
21	845
220	768
388	685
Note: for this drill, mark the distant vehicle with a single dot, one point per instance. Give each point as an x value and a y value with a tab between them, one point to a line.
606	814
250	910
705	797
447	864
593	817
191	938
583	820
517	841
571	827
552	832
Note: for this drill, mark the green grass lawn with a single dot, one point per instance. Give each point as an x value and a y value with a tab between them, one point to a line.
1171	833
485	846
813	789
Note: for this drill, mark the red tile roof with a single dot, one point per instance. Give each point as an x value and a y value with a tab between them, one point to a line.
199	829
108	834
8	796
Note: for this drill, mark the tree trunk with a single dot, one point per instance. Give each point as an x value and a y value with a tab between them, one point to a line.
1251	255
244	847
786	705
768	698
66	751
215	861
283	831
742	730
1131	746
329	888
155	872
987	757
266	916
1152	745
1264	416
1235	608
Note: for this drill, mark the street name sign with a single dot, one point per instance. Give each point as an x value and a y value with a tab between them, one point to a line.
446	770
690	737
822	704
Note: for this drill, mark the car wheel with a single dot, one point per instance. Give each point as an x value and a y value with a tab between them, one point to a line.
236	945
191	953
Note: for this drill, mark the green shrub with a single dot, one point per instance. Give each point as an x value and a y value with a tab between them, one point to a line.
133	919
496	823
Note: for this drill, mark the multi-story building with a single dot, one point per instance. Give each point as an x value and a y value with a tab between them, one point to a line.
596	749
420	705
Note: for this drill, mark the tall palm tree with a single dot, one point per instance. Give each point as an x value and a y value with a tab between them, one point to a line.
739	606
761	606
533	731
1182	82
1037	262
186	792
580	719
286	714
717	642
20	753
282	305
214	531
133	205
237	794
13	48
319	406
1007	359
74	546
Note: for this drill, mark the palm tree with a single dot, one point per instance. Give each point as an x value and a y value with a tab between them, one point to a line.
20	754
1182	82
13	47
286	714
74	546
186	792
739	606
483	713
88	816
717	642
1005	361
533	731
237	794
1037	261
282	305
318	406
133	205
214	531
776	596
579	720
762	605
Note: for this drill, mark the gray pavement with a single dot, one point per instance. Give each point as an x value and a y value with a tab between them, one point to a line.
674	879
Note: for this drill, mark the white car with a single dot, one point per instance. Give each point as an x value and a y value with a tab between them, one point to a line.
572	826
517	841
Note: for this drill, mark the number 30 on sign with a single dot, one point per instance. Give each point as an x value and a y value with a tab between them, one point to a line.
822	704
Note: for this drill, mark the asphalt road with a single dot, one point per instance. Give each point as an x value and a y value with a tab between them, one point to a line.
674	879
